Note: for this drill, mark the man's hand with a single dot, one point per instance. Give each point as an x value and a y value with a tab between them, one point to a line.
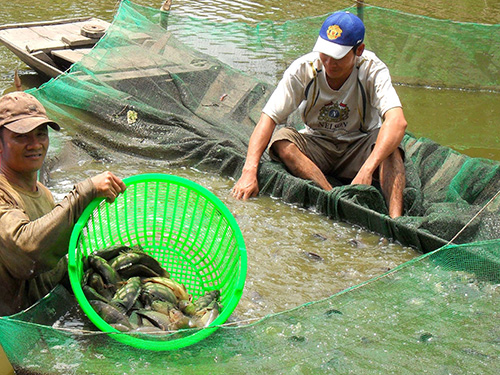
362	178
108	186
246	187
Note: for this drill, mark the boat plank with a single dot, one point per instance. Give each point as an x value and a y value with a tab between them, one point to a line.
74	29
39	65
73	40
159	45
42	23
71	55
118	60
31	40
42	56
48	32
46	46
21	37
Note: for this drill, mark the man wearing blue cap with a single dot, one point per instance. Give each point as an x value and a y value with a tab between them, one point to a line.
354	122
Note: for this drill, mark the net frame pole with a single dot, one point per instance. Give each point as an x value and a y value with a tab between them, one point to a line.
360	5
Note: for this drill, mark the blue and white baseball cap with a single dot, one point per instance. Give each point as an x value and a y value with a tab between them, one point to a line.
340	32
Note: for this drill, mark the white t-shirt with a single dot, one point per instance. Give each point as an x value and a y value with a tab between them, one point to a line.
336	114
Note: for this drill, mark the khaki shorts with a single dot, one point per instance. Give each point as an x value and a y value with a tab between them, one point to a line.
337	158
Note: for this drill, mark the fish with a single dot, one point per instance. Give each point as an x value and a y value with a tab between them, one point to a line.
206	316
187	307
128	259
158	319
92	294
177	320
100	265
128	293
162	306
206	299
113	251
110	313
154	291
137	270
96	282
133	293
178	289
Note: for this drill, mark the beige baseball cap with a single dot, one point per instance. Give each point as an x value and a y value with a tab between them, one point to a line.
21	113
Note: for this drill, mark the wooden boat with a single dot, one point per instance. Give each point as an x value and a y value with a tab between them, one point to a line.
51	47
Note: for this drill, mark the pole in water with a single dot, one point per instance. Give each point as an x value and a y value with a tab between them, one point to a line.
165	8
17	81
360	4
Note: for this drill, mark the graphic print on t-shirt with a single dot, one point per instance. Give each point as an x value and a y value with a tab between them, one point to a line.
334	116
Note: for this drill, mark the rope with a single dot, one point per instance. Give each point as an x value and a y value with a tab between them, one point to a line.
473	218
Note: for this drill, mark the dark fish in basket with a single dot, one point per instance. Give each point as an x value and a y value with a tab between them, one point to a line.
127	260
177	320
110	313
101	266
92	294
153	291
187	307
132	292
158	319
135	319
137	270
115	250
162	306
127	294
96	282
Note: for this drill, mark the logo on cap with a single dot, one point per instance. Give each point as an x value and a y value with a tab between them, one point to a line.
334	32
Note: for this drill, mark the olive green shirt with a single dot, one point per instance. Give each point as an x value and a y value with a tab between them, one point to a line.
34	238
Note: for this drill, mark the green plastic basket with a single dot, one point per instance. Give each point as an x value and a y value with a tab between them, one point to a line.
185	227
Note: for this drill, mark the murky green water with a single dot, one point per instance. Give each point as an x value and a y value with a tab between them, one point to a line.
295	256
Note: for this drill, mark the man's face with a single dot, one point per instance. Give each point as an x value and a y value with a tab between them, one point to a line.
340	69
24	153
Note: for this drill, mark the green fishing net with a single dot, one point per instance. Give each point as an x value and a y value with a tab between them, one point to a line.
435	314
172	89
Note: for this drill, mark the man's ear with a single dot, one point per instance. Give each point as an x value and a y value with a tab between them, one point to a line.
360	49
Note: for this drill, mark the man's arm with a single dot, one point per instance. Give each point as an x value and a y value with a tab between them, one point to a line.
28	248
390	135
247	186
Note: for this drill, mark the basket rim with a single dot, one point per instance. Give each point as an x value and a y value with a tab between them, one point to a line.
141	343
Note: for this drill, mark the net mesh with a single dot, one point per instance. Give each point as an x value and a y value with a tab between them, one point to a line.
435	314
172	89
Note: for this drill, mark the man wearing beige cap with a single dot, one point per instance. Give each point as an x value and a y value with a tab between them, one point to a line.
353	119
34	231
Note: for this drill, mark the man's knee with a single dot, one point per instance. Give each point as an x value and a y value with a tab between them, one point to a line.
398	153
283	149
395	160
392	166
398	160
